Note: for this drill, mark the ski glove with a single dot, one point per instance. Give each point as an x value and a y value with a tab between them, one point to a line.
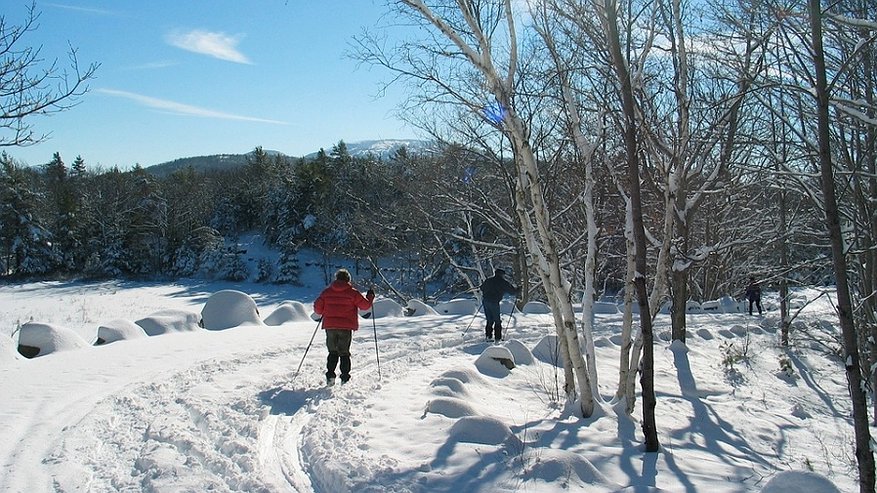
370	294
315	317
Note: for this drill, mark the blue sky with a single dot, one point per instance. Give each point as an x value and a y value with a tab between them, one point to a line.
181	78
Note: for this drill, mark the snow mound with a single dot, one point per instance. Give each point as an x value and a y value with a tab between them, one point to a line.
692	306
521	354
602	342
605	308
417	308
548	350
729	305
448	387
483	430
229	308
8	352
165	321
536	307
704	334
387	308
118	330
450	407
495	361
710	306
560	465
288	311
798	481
48	338
458	307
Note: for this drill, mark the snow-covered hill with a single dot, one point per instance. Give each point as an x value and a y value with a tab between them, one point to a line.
428	408
383	149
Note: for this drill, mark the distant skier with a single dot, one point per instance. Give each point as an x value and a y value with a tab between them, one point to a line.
753	294
339	306
492	291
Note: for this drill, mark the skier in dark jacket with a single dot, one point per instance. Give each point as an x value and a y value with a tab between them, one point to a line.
339	306
492	291
753	294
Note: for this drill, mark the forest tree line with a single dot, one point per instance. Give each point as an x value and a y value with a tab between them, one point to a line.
443	217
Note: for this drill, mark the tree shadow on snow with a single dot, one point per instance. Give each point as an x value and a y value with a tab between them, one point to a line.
719	436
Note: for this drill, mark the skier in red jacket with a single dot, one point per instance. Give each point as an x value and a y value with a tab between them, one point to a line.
339	306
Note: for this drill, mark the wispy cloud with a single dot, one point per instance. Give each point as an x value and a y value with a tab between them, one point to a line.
80	9
184	109
217	45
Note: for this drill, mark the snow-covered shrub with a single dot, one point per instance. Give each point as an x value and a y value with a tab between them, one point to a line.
786	368
265	270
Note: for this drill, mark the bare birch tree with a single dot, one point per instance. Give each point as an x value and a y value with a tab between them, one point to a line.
477	43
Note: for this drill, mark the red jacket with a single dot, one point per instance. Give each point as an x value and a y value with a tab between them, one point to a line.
339	305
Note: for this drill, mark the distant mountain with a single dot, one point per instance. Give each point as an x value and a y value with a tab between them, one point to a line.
204	163
382	149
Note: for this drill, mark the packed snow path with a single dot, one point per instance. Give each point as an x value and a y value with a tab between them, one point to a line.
220	411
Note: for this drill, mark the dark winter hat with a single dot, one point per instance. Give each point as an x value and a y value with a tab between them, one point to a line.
342	275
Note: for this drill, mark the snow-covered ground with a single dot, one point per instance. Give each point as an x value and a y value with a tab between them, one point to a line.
223	410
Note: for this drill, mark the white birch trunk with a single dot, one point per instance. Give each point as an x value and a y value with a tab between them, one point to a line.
531	208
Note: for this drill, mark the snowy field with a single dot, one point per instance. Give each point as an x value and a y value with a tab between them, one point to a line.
223	410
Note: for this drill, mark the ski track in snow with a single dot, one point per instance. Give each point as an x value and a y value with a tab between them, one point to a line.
295	436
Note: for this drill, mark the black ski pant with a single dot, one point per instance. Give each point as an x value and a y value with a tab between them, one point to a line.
494	320
338	342
757	303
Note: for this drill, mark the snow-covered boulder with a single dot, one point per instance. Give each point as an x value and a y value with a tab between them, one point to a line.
483	430
692	306
536	307
37	339
229	308
520	353
170	320
450	407
605	308
798	481
711	306
729	305
288	311
416	308
575	471
387	308
495	361
8	353
664	310
458	307
118	330
548	350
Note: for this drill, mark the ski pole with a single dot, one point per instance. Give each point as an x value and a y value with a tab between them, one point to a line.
375	330
511	312
307	349
473	318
